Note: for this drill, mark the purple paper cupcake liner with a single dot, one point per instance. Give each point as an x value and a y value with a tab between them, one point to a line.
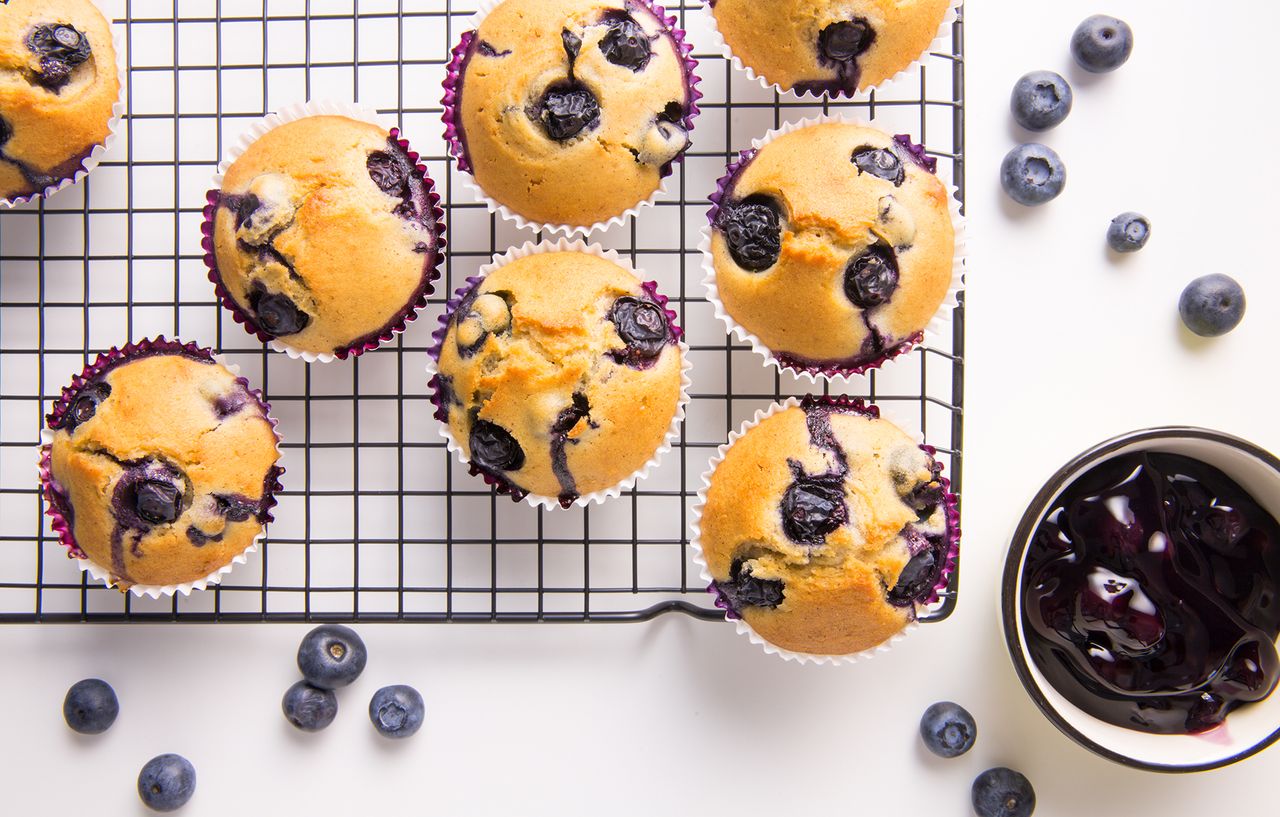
439	392
455	134
856	365
950	502
397	325
60	511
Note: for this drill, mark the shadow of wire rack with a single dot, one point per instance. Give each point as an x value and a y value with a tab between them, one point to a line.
377	522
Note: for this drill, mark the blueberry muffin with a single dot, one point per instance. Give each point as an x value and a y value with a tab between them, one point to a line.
824	527
833	245
162	464
570	112
58	83
559	375
325	235
828	46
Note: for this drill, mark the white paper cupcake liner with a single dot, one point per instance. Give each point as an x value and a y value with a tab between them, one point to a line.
562	245
117	113
62	527
939	325
893	414
939	43
684	51
292	113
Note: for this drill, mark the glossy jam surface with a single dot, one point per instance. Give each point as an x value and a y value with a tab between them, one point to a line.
1150	594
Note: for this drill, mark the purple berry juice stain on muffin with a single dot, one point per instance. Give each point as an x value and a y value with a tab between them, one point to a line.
1150	594
566	421
148	494
838	47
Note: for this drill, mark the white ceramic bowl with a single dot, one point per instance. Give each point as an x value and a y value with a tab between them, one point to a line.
1249	729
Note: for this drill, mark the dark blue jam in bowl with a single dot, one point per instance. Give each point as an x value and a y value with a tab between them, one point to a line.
1151	594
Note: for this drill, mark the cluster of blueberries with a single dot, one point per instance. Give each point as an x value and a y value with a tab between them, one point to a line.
948	730
1033	174
330	656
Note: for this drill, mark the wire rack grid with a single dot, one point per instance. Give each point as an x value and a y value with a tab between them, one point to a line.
377	521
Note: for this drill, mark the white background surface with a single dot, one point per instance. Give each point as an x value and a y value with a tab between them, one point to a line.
1067	346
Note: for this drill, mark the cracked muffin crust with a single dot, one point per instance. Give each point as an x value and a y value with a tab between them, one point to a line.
834	245
570	112
58	84
828	46
824	526
325	235
162	464
559	374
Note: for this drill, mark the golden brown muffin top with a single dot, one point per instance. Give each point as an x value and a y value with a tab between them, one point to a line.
572	111
164	465
833	246
822	528
58	83
829	46
325	234
559	374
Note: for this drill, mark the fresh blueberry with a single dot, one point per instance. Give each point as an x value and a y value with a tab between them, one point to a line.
85	406
167	782
494	448
157	501
331	656
746	590
308	707
881	163
1002	792
813	507
1128	232
1212	305
566	110
846	40
642	325
91	706
1041	100
1033	174
626	44
871	278
917	578
947	729
1102	43
753	230
277	314
397	711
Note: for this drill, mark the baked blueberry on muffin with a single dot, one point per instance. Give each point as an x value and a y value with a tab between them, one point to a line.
828	46
558	374
824	527
325	235
162	464
570	112
833	245
58	84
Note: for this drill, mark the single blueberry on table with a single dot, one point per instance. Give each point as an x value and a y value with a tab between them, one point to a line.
1033	174
91	706
1101	43
753	230
277	314
1128	232
167	782
881	163
1002	792
397	711
157	501
567	109
494	448
308	707
846	40
871	279
331	656
626	44
947	729
813	507
1040	100
1212	305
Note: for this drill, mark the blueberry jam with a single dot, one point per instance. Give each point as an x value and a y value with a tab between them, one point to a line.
1150	594
752	229
61	48
643	326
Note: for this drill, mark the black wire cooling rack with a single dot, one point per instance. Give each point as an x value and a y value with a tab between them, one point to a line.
377	521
